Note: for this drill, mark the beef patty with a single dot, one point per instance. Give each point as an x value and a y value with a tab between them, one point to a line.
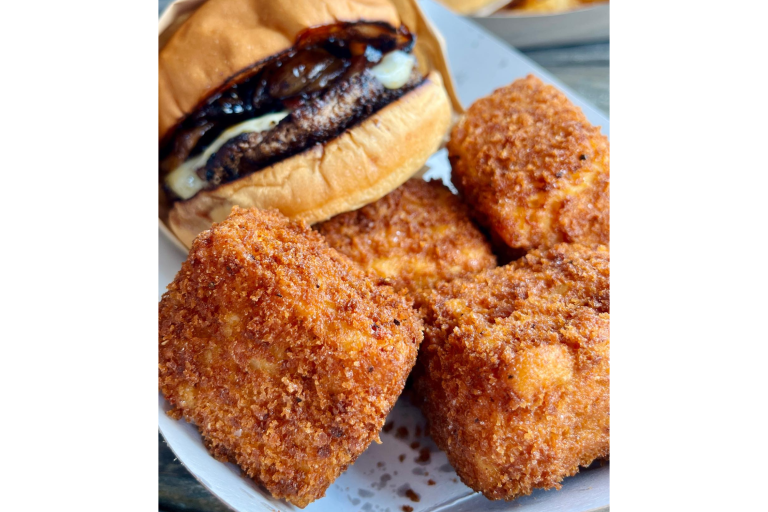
353	97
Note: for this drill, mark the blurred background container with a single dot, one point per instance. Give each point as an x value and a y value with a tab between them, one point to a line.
533	29
569	38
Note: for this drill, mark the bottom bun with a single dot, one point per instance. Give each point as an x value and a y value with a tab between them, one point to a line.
358	167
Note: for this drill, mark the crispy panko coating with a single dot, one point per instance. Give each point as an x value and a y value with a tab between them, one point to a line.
415	236
535	171
284	354
514	370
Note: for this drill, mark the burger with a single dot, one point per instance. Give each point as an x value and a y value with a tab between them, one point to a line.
313	107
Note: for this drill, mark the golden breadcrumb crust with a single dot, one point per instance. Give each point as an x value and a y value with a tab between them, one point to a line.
514	370
417	235
282	352
532	167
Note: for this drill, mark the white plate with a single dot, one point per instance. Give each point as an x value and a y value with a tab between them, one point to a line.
378	480
579	26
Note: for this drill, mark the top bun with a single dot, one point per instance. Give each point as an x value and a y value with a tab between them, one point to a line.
243	32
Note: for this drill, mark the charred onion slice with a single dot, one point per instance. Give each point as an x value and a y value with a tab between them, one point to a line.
184	143
304	72
381	35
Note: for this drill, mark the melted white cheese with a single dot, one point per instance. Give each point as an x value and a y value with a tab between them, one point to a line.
394	69
184	180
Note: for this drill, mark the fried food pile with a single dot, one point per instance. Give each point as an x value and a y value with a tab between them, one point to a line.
532	167
288	346
285	355
514	370
416	236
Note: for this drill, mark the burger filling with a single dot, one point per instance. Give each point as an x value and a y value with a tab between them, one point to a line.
332	79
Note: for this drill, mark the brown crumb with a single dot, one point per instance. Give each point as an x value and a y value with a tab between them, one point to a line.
431	482
401	433
389	426
407	508
424	456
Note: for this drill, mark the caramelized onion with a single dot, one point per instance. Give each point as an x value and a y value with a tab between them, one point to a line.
222	106
334	70
381	35
373	31
304	69
357	48
259	96
183	144
231	104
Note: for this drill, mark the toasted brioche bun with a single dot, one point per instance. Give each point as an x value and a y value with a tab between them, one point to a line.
224	37
360	166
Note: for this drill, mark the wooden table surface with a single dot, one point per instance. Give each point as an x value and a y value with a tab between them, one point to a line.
585	69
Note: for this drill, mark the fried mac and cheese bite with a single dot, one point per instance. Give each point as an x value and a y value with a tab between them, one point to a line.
514	370
533	168
285	355
416	236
